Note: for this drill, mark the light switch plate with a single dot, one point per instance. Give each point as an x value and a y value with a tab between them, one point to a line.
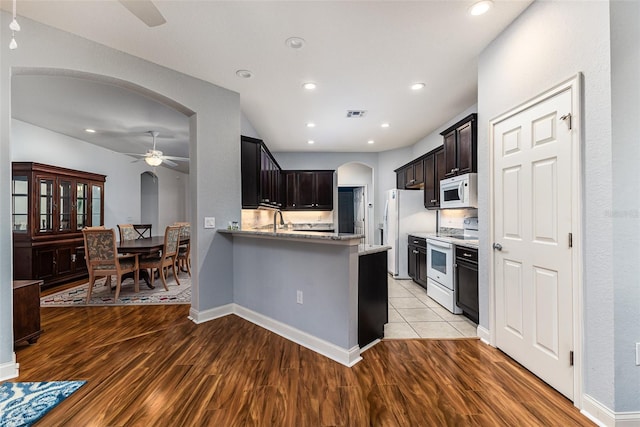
638	354
209	222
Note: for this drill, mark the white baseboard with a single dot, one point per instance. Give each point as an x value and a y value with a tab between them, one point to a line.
368	346
347	357
605	417
9	370
484	335
213	313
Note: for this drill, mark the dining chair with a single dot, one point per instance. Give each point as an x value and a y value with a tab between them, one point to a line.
184	249
127	232
167	257
142	230
103	260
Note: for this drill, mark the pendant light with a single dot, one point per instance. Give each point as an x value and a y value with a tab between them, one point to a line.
14	26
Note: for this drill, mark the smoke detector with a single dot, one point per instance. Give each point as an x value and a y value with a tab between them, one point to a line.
356	114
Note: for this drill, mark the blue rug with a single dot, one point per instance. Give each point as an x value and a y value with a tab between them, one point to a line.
22	404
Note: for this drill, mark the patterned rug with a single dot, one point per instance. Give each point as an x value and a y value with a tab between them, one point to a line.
102	295
22	404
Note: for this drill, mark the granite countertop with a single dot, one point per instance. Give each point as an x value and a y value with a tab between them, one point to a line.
293	234
473	243
371	249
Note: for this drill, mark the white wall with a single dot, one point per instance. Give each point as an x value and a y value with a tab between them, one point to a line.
122	201
625	112
549	43
214	179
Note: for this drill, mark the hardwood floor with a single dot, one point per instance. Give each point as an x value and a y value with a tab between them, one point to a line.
151	366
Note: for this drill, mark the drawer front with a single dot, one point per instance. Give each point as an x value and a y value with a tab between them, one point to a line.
417	241
467	254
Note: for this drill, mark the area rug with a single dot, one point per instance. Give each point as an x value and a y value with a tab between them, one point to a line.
102	295
22	404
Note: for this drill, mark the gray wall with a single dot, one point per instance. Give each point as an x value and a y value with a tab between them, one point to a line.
549	43
625	112
214	181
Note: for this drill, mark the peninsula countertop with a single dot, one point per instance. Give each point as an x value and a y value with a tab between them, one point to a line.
327	237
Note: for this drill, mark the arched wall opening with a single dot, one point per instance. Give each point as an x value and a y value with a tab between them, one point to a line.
355	199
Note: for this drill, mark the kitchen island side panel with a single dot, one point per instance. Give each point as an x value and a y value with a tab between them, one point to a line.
268	273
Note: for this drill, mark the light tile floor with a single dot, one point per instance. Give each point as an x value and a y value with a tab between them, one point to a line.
412	314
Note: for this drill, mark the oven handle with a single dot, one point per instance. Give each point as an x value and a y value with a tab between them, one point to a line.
439	244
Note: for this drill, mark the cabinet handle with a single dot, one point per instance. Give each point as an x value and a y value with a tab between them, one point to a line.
433	201
467	255
415	252
455	169
415	241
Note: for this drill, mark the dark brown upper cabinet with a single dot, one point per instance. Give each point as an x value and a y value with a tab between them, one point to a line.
309	189
411	175
460	147
434	171
261	175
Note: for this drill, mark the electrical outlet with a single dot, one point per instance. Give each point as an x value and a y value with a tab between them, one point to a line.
299	297
638	354
209	222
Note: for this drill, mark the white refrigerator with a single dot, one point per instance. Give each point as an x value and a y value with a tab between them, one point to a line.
404	214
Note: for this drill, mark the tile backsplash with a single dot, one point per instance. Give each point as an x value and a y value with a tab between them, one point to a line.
258	218
454	218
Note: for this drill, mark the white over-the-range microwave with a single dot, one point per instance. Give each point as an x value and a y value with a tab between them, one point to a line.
459	192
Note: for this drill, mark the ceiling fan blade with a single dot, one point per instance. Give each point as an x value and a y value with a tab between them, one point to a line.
136	155
169	162
179	159
146	11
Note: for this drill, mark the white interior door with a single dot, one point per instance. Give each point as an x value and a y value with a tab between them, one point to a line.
533	280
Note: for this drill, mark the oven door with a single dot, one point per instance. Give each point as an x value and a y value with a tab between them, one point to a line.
440	262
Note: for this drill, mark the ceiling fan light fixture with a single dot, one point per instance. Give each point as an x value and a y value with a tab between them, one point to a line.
14	26
153	160
13	44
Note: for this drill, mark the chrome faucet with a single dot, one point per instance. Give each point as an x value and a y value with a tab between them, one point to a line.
275	215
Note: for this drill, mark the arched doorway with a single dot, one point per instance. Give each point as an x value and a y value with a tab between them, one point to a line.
355	200
149	203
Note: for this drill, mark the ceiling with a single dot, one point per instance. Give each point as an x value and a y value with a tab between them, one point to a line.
363	55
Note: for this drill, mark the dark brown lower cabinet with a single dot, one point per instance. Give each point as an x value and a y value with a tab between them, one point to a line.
373	310
417	247
26	311
467	281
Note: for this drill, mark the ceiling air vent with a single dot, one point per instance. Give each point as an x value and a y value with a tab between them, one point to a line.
356	114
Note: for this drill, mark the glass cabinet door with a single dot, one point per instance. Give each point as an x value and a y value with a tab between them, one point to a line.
20	204
82	194
45	202
65	205
96	205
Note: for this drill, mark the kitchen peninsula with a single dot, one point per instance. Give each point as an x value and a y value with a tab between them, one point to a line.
325	291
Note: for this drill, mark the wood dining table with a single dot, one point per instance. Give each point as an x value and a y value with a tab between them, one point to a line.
147	246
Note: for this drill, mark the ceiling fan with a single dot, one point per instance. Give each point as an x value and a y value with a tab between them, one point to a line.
145	10
155	157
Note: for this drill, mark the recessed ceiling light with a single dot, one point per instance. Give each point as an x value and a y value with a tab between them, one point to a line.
311	125
371	141
480	7
384	125
295	42
310	141
244	74
309	86
417	86
90	130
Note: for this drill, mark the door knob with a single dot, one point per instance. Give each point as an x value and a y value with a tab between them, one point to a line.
497	246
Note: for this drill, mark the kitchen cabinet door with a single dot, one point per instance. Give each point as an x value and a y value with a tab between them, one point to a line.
261	175
434	171
460	147
324	190
309	190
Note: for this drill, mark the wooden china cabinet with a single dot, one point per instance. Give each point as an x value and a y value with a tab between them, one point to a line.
50	207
